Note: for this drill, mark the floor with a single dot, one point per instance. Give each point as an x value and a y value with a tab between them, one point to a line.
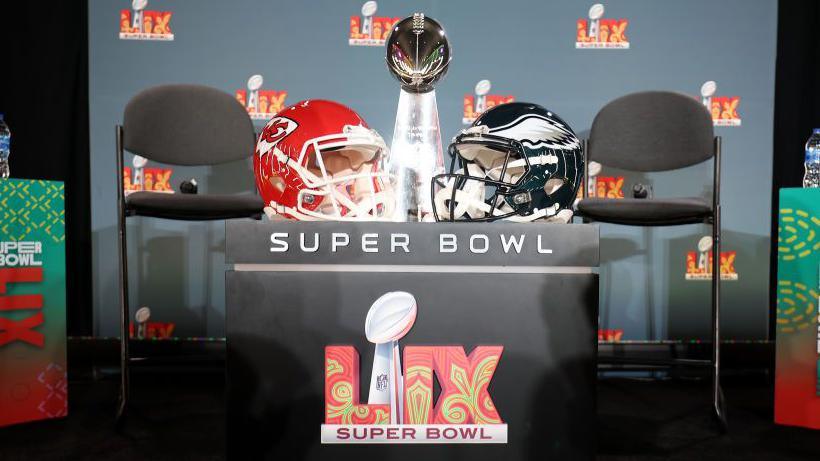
181	417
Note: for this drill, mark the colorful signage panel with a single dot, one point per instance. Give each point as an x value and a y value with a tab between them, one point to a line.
797	378
32	301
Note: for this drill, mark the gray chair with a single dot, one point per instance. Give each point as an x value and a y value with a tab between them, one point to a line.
660	131
178	125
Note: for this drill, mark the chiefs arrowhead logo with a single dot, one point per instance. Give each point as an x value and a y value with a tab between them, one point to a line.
275	131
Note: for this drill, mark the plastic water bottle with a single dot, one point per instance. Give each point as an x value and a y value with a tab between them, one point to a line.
812	176
5	148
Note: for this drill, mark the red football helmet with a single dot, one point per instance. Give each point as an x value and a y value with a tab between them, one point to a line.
318	160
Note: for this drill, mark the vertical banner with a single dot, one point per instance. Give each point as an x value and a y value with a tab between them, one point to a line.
797	379
33	382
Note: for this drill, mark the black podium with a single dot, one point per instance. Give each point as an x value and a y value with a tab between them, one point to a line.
411	341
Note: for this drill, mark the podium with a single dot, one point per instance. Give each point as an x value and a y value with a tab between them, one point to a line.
495	340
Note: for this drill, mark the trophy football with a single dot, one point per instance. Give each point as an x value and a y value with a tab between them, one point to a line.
389	319
704	247
707	90
418	54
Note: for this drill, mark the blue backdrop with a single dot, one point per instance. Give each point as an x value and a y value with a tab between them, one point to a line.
528	50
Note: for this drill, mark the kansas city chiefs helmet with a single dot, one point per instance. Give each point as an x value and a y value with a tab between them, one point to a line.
318	160
517	162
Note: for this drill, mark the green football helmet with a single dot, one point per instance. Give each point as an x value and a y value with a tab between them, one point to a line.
517	162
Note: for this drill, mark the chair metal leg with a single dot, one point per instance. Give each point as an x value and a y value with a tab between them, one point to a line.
125	358
124	331
718	400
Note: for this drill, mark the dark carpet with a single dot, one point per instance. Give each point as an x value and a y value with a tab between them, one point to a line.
181	417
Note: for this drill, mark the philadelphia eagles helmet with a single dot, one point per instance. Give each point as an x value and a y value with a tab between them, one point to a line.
518	162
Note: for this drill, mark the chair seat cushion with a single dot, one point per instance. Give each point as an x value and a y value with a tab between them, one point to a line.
193	207
646	212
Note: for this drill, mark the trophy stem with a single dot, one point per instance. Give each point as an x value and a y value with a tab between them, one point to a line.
415	154
396	388
386	383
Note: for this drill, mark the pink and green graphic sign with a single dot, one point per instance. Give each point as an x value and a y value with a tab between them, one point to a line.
33	381
797	381
402	406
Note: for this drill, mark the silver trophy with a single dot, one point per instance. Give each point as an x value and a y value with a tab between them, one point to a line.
389	319
142	315
596	11
254	83
138	6
368	10
704	247
707	90
418	55
139	163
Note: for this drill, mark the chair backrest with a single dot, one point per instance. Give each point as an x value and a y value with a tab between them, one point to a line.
187	125
652	131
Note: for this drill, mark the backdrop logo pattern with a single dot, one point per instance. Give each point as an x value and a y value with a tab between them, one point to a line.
610	335
699	263
141	178
605	187
368	29
601	186
600	33
722	108
141	24
475	105
261	104
797	235
154	330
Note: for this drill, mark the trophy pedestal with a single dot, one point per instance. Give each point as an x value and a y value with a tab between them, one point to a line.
415	155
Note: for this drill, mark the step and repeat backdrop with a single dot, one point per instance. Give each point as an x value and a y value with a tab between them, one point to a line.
570	56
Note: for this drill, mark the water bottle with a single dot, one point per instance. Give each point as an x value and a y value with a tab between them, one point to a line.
812	176
5	148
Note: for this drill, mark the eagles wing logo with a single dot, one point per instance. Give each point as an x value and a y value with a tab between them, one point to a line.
276	130
537	131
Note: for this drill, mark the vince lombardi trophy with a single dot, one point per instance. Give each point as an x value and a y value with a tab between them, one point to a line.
418	55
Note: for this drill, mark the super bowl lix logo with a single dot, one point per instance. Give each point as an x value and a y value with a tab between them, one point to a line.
146	179
21	262
140	24
602	186
475	105
699	263
722	108
401	407
369	30
600	33
261	104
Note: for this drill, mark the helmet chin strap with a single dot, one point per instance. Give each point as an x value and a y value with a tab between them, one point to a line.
363	206
358	212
